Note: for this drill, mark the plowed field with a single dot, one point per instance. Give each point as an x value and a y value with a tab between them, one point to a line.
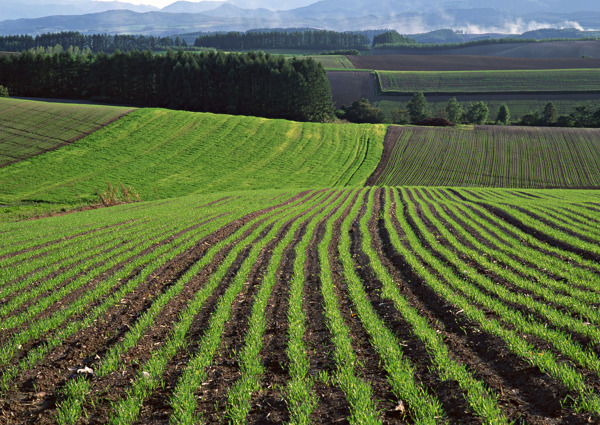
466	62
359	306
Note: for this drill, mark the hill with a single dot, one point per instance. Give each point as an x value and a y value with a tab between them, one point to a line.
162	153
490	156
29	128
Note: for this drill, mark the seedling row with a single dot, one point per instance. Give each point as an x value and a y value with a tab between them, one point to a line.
382	305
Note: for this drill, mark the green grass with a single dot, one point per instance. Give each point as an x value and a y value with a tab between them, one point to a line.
28	128
493	156
162	154
553	80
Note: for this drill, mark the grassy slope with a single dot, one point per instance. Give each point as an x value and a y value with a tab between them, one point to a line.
174	153
555	80
493	157
28	128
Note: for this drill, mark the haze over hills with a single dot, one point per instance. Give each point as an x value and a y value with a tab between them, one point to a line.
406	16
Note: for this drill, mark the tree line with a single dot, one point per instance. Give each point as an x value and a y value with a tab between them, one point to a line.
330	40
95	43
255	83
418	111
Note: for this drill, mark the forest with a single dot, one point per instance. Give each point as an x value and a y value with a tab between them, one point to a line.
328	40
257	84
95	43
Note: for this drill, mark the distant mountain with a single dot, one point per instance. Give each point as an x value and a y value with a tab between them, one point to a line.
192	7
16	9
406	16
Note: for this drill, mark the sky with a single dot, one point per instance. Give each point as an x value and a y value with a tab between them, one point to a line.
157	3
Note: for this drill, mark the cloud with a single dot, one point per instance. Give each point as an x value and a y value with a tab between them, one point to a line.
518	26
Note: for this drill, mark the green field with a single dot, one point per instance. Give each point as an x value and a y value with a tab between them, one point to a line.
337	62
491	156
269	285
465	82
29	128
162	153
335	303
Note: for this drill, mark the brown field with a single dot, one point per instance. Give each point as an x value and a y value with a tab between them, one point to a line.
449	62
550	49
348	86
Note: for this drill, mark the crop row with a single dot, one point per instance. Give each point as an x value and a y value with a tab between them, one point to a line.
426	304
30	128
491	157
548	80
196	153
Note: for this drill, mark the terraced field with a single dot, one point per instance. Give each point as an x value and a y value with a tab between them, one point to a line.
490	156
468	82
29	128
364	306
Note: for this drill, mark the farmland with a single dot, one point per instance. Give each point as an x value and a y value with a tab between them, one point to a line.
334	61
162	153
485	82
275	273
415	62
546	49
29	128
355	305
490	156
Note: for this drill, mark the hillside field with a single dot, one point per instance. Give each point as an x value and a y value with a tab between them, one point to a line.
485	82
161	153
302	273
490	156
361	306
29	128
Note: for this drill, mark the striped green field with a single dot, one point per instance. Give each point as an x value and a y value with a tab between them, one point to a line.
162	153
469	82
490	156
355	305
28	128
334	61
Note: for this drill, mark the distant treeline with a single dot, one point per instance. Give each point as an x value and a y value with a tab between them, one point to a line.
314	40
95	43
256	84
393	40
